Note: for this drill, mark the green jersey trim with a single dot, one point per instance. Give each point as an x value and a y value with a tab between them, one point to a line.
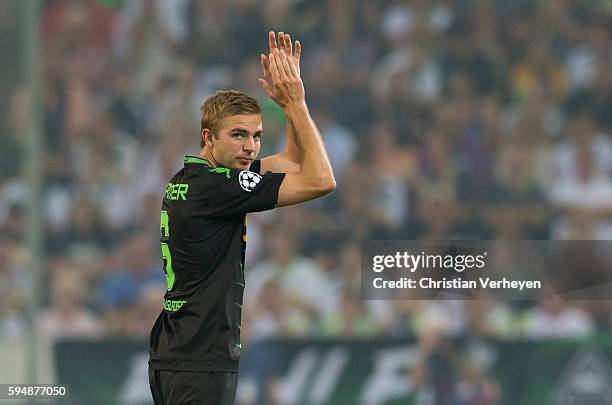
199	160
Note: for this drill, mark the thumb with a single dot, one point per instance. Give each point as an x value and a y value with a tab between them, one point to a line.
264	85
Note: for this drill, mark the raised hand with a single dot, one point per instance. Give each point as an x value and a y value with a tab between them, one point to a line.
292	52
286	82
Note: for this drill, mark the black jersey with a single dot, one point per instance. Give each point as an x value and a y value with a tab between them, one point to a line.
203	242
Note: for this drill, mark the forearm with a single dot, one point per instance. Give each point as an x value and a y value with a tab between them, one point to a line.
314	163
294	149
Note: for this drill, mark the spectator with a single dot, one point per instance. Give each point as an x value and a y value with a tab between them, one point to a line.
123	286
352	319
553	318
68	317
301	279
583	197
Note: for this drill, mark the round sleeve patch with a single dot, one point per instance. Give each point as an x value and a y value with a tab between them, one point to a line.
248	180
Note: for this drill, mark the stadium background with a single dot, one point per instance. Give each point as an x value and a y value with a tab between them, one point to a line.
464	119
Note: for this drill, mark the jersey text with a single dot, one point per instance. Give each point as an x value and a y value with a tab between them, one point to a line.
177	191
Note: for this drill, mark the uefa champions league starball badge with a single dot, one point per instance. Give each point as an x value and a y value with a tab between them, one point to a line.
248	180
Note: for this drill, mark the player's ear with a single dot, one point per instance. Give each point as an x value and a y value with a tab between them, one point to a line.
207	137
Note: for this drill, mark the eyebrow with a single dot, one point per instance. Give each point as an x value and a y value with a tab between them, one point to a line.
244	131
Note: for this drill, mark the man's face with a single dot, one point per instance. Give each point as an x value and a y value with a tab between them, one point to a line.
238	141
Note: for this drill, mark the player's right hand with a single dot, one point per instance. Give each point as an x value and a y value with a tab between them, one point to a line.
293	52
286	80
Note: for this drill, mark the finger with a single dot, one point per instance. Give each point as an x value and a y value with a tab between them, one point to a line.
265	66
298	50
280	68
284	69
264	85
292	69
281	41
274	71
272	41
288	47
273	68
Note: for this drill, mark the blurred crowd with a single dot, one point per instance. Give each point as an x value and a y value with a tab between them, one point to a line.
443	119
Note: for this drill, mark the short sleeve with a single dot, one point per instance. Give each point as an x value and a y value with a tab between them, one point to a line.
256	166
239	191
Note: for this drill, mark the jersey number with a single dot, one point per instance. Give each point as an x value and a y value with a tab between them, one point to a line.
164	229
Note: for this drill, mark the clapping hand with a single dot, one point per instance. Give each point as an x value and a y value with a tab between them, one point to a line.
287	55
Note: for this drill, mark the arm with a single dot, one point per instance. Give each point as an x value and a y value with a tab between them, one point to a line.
290	160
315	177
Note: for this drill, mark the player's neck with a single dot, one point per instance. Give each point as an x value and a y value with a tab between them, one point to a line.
207	154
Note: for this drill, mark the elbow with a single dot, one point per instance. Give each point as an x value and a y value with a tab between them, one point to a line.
326	186
330	186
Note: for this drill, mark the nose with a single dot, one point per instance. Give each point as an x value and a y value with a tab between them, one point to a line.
249	144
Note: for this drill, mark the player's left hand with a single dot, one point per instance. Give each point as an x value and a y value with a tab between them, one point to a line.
293	52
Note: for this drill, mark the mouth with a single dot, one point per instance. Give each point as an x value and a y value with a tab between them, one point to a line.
244	161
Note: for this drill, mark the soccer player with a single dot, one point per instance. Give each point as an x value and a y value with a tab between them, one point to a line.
195	342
